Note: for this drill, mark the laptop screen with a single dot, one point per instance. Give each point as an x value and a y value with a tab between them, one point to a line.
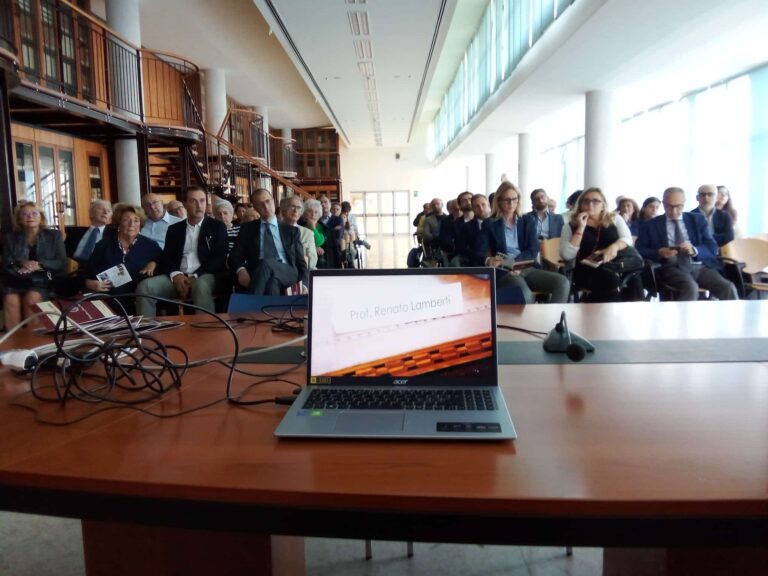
414	326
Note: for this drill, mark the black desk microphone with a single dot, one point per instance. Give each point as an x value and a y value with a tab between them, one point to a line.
561	339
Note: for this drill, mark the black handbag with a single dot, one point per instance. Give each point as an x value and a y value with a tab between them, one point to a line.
627	260
37	279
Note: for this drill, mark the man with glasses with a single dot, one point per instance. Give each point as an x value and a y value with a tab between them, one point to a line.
682	243
158	218
718	221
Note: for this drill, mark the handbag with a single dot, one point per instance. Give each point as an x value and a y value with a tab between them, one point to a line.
627	260
37	279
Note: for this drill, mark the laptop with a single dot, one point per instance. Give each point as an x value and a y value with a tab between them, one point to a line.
406	353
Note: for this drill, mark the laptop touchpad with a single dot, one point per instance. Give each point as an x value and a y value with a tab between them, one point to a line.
370	422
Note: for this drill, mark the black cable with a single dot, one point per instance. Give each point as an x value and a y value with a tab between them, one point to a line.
535	333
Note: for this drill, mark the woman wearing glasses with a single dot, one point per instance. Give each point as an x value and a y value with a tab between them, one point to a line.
507	239
32	256
595	236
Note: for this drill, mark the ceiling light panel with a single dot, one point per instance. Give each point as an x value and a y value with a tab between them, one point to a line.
363	49
358	23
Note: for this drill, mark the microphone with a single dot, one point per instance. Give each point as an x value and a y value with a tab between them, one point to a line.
561	339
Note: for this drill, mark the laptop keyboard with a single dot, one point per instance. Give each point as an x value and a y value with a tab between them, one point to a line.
372	399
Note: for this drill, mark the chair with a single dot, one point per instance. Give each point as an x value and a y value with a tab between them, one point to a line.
747	259
550	255
256	303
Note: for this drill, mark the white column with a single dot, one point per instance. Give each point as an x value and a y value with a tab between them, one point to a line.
215	99
599	129
492	175
123	18
524	164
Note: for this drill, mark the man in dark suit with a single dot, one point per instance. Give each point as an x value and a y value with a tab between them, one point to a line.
195	251
548	224
719	221
81	240
268	255
682	243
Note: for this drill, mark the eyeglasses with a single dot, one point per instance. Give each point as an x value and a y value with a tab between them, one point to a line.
30	213
706	194
591	201
508	200
674	206
294	207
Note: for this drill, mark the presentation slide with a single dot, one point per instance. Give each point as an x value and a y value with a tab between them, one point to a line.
399	325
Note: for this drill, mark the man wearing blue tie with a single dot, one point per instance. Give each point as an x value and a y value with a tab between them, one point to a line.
81	240
682	243
268	255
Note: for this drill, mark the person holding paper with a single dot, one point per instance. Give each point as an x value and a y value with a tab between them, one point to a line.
507	240
117	264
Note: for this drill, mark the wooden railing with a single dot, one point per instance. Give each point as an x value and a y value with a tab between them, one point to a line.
63	50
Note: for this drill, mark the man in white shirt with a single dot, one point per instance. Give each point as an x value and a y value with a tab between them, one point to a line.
195	252
158	218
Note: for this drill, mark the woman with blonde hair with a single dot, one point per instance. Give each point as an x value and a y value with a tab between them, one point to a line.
33	256
594	237
507	240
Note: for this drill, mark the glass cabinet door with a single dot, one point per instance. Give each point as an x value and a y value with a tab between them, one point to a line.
95	178
26	188
67	186
47	178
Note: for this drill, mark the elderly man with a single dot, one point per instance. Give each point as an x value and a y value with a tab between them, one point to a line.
548	224
331	220
176	208
195	252
81	240
291	208
718	221
682	243
158	219
461	229
268	256
432	223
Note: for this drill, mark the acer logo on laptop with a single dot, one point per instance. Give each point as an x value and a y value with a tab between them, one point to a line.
400	381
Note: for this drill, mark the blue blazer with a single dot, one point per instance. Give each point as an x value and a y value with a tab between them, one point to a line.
492	240
467	234
653	235
555	221
723	225
211	247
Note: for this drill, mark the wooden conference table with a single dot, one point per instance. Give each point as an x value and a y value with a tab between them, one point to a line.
671	456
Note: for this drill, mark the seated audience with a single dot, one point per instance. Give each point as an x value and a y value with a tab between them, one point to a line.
570	202
291	209
240	209
431	232
628	209
81	240
348	243
329	219
195	252
176	208
138	254
593	230
725	203
249	215
223	212
649	209
328	253
33	256
268	255
158	218
548	224
718	221
682	243
462	255
510	237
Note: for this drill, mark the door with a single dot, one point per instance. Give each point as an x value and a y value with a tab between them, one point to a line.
383	220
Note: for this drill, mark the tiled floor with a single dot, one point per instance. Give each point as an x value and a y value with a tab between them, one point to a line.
44	546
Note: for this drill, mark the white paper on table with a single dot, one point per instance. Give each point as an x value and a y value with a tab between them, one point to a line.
118	275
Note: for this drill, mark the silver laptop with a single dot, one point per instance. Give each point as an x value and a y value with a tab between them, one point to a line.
401	354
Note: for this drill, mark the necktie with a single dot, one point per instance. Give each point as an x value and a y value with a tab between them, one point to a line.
270	250
683	259
90	242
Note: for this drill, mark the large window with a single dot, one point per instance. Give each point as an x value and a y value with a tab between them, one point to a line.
717	135
506	32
